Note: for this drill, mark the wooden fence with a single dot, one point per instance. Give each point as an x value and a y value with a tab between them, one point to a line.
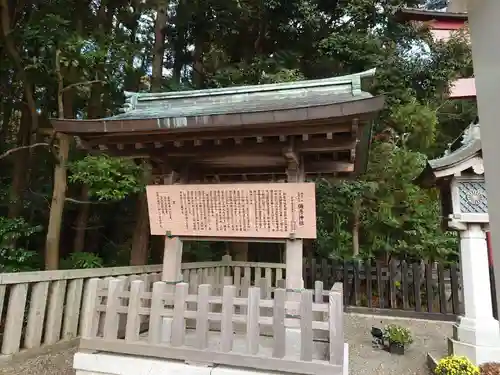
43	308
118	302
398	288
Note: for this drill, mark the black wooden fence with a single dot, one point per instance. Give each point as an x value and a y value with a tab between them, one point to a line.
430	291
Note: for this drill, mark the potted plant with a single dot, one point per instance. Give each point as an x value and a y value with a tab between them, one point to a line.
396	338
456	365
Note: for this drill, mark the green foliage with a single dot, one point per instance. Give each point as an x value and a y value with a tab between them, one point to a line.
335	202
108	47
396	216
397	334
82	260
13	257
108	178
456	365
409	216
416	123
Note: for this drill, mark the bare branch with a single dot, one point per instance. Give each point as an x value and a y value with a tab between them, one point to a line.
95	227
15	149
60	82
72	200
84	83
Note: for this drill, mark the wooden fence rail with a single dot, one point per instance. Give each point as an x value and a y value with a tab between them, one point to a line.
228	348
429	290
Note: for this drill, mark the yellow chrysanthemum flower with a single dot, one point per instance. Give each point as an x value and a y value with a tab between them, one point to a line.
456	365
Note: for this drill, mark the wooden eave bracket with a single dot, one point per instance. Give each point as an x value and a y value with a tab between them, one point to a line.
290	154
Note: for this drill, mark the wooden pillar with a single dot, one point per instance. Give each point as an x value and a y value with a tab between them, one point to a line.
294	247
293	263
172	261
172	253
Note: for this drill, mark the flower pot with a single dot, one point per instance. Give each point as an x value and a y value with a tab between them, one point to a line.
396	348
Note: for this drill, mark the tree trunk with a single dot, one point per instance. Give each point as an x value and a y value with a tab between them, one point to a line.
57	205
7	109
140	238
20	167
65	107
81	222
159	46
198	68
13	52
94	111
355	228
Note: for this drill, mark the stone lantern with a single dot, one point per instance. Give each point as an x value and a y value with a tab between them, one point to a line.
459	176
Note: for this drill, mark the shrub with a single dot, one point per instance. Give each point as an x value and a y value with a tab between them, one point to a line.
456	365
14	257
397	334
82	260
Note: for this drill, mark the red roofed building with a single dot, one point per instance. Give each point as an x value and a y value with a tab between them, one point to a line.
443	25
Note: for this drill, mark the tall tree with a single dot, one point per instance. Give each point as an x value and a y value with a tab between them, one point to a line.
110	46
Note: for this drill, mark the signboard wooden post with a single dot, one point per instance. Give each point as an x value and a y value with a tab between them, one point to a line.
259	212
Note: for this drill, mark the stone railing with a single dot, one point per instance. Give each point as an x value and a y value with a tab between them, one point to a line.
42	309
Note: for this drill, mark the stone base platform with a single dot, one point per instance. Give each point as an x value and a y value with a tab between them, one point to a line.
101	363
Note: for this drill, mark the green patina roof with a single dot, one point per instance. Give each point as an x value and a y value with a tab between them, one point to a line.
243	99
470	147
456	157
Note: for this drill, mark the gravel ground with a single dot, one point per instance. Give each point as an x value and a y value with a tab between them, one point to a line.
58	363
364	360
429	337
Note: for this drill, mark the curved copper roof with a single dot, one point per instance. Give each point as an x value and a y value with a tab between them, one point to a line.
325	122
470	148
281	114
243	106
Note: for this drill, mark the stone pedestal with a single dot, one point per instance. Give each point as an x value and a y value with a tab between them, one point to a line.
294	283
293	261
476	334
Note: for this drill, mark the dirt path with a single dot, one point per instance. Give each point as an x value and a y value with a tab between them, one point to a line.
364	360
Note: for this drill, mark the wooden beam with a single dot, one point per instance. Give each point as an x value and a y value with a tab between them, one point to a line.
248	147
355	127
314	167
290	153
164	136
